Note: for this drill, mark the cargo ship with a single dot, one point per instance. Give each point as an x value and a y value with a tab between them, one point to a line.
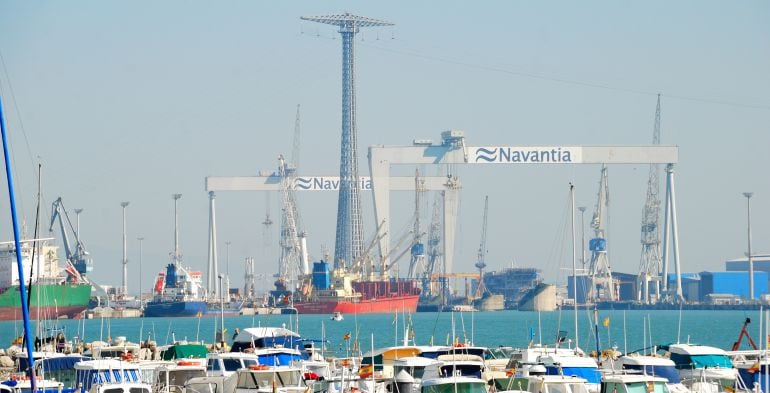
177	293
340	291
55	292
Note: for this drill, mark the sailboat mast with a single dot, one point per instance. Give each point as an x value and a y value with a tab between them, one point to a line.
17	247
574	264
177	254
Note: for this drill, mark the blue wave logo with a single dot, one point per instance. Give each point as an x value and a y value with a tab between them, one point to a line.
486	154
303	183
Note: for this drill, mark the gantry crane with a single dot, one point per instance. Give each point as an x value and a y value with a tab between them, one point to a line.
651	263
480	264
602	287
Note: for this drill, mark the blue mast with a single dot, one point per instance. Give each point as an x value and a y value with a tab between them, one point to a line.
17	245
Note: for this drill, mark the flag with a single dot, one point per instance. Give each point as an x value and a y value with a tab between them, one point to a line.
606	322
346	336
366	371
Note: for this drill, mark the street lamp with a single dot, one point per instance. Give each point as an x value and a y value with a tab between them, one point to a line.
227	263
141	305
77	226
750	259
583	235
222	314
125	252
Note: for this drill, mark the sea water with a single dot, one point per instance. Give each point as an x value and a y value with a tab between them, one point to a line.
627	331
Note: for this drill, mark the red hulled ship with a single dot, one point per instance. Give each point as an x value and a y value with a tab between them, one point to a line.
347	293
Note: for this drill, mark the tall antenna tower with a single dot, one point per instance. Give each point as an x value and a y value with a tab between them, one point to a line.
349	244
651	262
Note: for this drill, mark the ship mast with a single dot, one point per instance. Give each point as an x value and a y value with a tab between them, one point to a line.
176	256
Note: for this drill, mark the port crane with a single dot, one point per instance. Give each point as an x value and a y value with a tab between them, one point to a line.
77	256
480	264
651	262
417	248
602	286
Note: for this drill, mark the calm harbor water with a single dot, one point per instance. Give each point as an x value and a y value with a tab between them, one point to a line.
512	328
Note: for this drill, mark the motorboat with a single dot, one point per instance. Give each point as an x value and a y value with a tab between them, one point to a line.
703	368
337	316
109	375
270	379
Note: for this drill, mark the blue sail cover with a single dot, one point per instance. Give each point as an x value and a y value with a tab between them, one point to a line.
590	374
668	372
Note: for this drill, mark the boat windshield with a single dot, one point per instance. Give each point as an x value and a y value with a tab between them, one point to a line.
648	387
465	370
701	361
264	380
232	364
455	388
565	388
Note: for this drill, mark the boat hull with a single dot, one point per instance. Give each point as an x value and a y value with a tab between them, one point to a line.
48	300
175	309
406	303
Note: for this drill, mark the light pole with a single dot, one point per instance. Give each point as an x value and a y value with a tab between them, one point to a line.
750	259
222	314
141	305
125	253
227	268
583	235
77	226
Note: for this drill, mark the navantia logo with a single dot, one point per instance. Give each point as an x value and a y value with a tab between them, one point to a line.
488	155
527	155
303	183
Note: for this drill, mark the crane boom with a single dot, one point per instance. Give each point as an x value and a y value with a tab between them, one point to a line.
78	256
480	264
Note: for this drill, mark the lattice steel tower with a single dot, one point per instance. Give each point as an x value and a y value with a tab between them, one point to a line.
651	264
349	244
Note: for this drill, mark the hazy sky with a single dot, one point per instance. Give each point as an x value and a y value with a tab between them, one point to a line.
137	100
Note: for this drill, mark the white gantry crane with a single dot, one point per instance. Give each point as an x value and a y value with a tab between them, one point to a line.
602	287
651	264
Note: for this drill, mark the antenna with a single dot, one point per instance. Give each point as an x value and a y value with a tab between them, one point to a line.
349	244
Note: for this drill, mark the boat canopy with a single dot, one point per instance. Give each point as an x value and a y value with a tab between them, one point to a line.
185	351
701	361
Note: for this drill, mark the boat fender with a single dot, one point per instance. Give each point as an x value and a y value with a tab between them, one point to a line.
259	367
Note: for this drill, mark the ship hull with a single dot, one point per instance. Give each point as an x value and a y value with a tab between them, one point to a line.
175	309
48	300
406	303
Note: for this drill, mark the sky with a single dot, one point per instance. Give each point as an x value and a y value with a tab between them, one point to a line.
138	100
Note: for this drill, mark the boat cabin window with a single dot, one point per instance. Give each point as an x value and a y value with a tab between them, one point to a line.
201	388
455	388
213	365
232	364
635	387
566	388
465	370
138	390
264	380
